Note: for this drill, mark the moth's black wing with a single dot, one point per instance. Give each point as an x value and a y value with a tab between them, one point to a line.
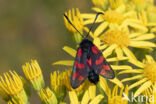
100	65
80	69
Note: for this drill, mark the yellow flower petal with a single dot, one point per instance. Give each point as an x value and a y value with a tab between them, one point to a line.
103	47
104	85
64	62
116	59
149	59
133	35
70	51
97	9
145	37
85	98
133	78
131	71
92	91
119	52
128	53
100	28
142	88
137	63
120	9
109	50
90	33
137	26
137	83
141	44
90	21
120	67
97	42
97	99
117	82
88	16
73	97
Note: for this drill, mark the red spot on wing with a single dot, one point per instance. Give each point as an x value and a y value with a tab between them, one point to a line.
80	78
95	50
89	61
106	67
75	75
79	53
103	72
100	60
79	65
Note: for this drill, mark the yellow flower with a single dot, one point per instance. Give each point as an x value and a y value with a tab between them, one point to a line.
76	19
11	86
139	5
100	3
115	98
147	19
145	74
57	84
47	96
115	3
60	83
120	39
16	101
151	93
72	52
89	96
119	16
151	13
33	73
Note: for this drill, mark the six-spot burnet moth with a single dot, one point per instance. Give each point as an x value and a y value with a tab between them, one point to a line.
89	62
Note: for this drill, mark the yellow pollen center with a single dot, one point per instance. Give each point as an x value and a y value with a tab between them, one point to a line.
116	36
113	17
150	71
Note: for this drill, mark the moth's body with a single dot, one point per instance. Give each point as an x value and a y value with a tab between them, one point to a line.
86	47
89	62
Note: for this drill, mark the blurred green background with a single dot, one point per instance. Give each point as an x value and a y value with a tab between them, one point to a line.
34	29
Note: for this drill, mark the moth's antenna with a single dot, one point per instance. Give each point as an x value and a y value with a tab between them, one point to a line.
72	24
94	22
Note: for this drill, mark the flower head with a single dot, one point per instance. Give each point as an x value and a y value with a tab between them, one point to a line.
33	73
113	17
11	86
16	101
115	98
57	84
89	96
76	19
139	5
115	3
150	94
116	36
100	3
151	13
47	96
120	39
146	74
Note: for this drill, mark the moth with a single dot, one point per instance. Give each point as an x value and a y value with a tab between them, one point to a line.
89	62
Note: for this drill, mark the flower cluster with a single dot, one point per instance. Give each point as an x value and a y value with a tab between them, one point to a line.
125	34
